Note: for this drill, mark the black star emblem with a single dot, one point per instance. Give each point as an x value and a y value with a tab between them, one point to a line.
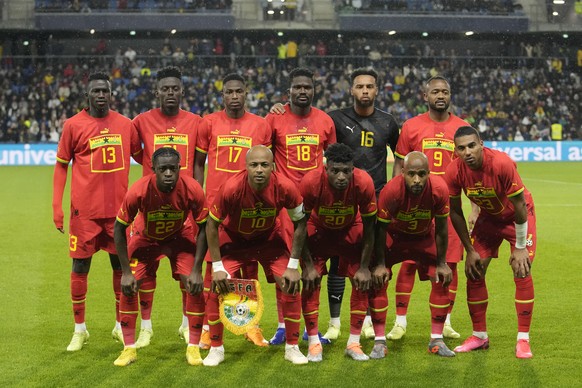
165	215
258	211
234	141
336	211
302	139
171	139
106	140
439	143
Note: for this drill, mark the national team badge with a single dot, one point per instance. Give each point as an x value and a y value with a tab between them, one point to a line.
242	308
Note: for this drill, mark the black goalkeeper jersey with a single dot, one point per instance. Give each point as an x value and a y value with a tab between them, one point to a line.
369	137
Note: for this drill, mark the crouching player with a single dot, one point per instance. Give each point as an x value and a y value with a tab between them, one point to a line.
340	202
489	179
162	207
406	209
243	226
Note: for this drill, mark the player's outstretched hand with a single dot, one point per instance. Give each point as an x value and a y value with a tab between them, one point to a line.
362	279
520	263
473	266
128	284
195	283
58	220
219	283
277	109
311	279
290	281
380	276
444	275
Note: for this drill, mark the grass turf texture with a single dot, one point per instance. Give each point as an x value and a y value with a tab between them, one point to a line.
37	324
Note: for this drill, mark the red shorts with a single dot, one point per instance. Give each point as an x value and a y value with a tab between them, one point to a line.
87	237
455	247
489	233
420	249
346	243
145	253
267	250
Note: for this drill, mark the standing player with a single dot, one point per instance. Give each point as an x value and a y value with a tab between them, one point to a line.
431	133
226	137
162	207
368	131
489	178
407	206
243	225
99	142
300	135
342	205
167	126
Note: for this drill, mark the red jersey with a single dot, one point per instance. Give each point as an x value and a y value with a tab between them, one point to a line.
337	209
159	215
299	141
100	149
227	141
491	186
157	130
413	214
250	213
432	138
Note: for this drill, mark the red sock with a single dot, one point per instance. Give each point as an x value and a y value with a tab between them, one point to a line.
439	305
453	286
279	295
117	290
524	302
292	316
216	327
310	306
358	308
146	297
207	284
195	314
378	300
128	310
477	300
79	295
184	298
404	286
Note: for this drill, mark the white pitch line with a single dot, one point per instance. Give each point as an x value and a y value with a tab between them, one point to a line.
551	181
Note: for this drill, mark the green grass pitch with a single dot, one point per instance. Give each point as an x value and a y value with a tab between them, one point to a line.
36	321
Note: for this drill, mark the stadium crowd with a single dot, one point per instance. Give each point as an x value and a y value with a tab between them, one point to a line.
515	98
456	6
87	6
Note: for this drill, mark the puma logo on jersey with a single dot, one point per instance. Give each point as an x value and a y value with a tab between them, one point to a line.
351	129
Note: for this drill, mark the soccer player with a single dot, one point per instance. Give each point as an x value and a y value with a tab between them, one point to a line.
341	204
226	137
99	142
166	126
300	136
243	225
368	131
407	206
489	178
162	207
431	133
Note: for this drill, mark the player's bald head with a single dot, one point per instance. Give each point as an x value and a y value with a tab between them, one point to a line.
416	159
259	151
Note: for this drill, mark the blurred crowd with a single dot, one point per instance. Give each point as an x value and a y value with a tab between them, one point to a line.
457	6
509	98
87	6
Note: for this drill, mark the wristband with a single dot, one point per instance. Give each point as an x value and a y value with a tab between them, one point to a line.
293	263
520	235
218	266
